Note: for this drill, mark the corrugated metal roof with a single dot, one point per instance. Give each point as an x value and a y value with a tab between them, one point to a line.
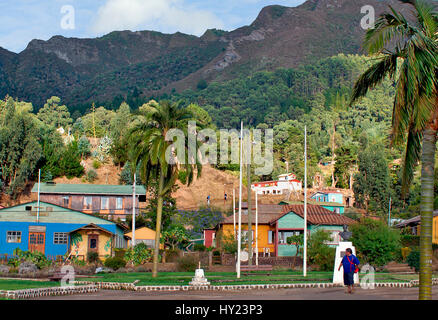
105	189
55	214
413	221
266	213
318	203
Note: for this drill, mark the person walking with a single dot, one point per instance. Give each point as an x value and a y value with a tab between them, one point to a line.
208	200
350	264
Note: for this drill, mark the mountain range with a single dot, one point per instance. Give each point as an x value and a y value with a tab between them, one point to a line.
148	63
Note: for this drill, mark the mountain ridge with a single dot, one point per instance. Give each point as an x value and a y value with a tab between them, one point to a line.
146	63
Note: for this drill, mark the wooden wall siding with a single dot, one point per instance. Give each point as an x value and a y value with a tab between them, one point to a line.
96	204
112	204
77	203
52	198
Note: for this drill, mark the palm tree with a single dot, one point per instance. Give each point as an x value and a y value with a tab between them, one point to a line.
407	51
148	148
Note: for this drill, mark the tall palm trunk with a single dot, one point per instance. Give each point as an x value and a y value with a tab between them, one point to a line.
427	199
158	226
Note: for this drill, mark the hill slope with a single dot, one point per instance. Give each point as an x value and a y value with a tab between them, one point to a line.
134	64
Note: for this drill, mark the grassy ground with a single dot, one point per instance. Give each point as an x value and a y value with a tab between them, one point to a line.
17	284
216	278
229	278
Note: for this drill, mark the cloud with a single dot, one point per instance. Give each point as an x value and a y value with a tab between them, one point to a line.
163	15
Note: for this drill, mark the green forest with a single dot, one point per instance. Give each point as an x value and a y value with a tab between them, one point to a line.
356	139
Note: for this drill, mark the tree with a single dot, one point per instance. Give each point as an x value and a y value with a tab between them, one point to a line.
70	161
408	51
298	242
371	185
119	127
84	147
55	115
319	252
169	209
20	150
148	147
345	166
175	235
377	244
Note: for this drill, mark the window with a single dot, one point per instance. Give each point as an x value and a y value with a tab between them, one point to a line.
88	202
283	235
148	243
271	237
60	237
13	237
93	243
104	203
245	235
119	203
65	201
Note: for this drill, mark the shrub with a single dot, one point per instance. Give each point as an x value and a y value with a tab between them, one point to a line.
36	258
413	259
91	175
216	253
320	253
199	247
172	255
187	263
93	257
409	240
139	255
182	176
405	252
96	164
375	241
115	263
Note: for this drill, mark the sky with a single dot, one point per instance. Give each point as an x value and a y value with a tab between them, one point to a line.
24	20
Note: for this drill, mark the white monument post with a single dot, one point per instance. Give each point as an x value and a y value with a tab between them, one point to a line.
199	279
338	276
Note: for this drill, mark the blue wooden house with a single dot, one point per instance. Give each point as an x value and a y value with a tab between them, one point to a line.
291	222
55	231
331	200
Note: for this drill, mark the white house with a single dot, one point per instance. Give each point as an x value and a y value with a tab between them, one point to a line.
285	183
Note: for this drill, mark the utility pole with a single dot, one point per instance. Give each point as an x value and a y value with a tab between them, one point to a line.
389	213
305	204
133	212
239	232
256	228
94	122
248	173
38	202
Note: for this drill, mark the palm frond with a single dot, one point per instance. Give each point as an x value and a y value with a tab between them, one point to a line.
374	76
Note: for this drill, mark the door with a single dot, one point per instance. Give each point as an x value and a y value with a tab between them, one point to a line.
37	241
93	244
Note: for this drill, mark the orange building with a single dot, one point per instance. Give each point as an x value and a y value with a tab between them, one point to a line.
278	222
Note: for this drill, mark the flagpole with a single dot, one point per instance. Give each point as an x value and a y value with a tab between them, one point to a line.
239	237
234	212
257	228
38	202
133	212
305	204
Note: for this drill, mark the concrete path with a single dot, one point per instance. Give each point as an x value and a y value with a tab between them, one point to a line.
280	294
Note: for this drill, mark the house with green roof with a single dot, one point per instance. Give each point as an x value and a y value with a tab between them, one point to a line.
56	231
114	201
